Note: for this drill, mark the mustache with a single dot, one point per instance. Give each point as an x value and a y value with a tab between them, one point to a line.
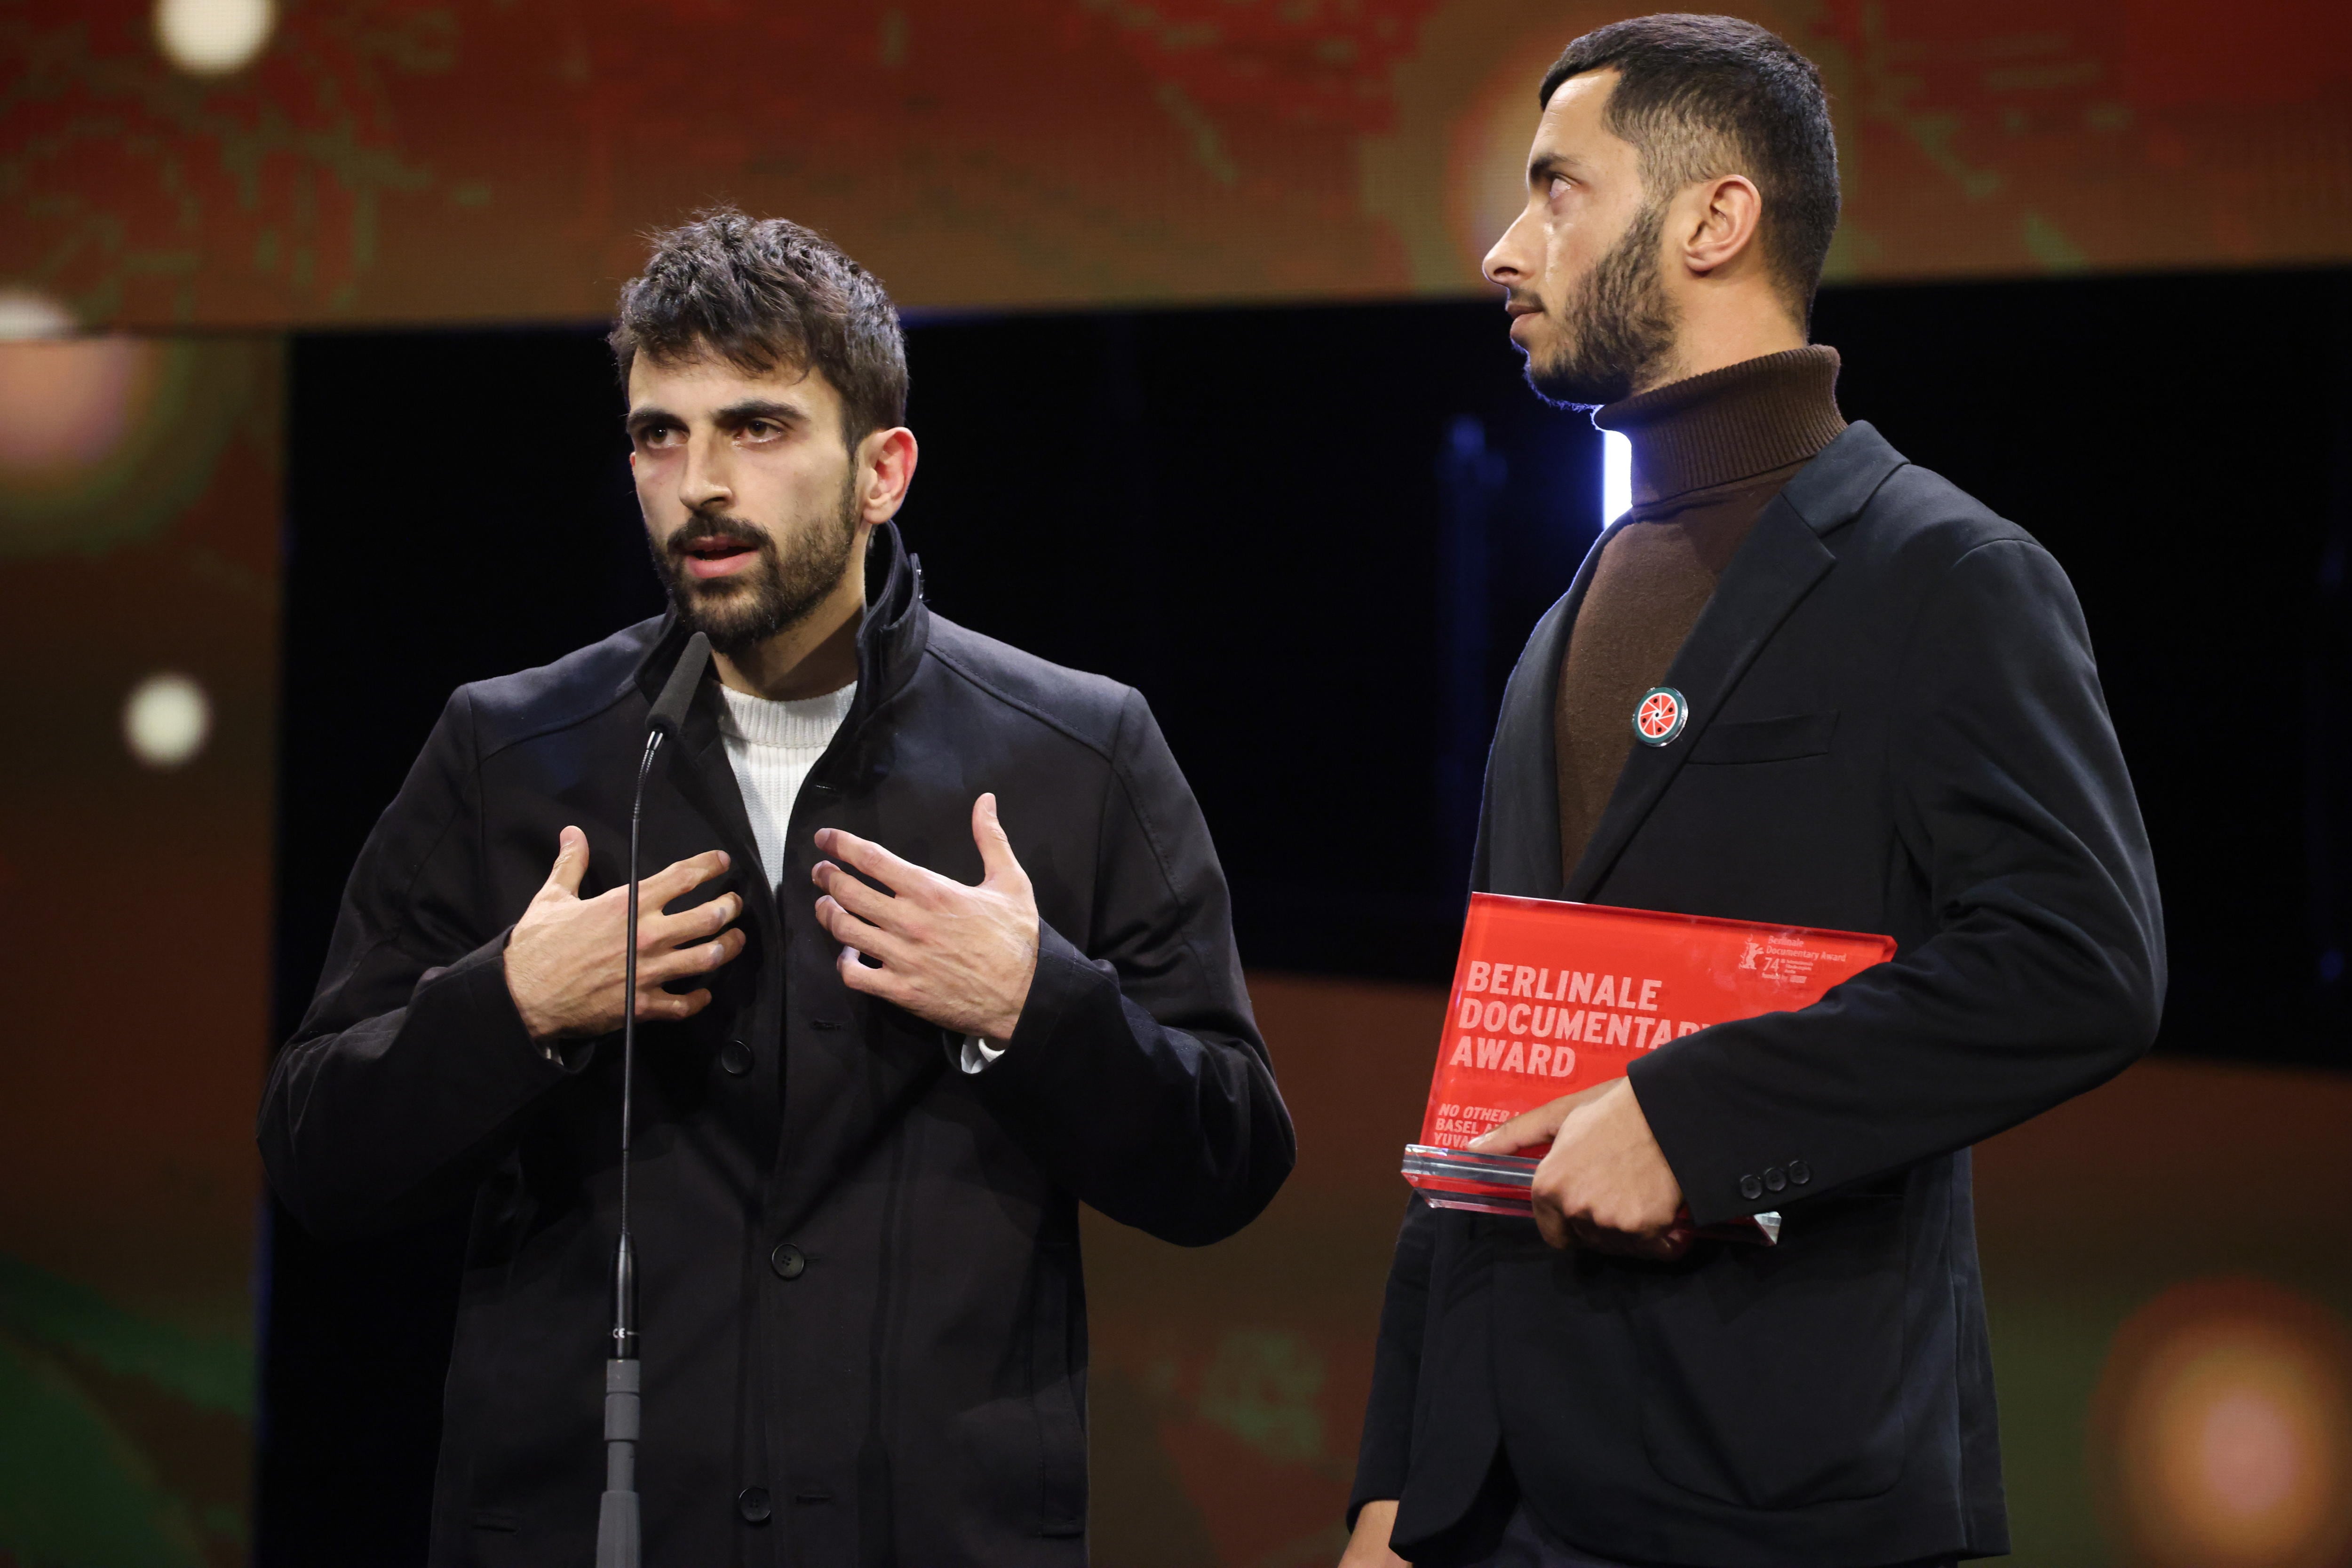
712	526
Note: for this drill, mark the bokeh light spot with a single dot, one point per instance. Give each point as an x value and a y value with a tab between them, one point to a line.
24	314
166	720
66	404
2251	1452
2221	1431
213	37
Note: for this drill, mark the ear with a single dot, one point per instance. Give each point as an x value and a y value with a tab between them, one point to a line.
886	467
1721	216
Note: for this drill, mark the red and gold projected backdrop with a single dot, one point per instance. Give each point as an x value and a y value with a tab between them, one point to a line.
139	574
233	164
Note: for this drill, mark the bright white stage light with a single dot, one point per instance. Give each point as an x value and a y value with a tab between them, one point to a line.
213	37
1616	476
166	720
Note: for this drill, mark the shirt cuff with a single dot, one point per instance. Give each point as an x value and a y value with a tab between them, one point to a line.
977	1055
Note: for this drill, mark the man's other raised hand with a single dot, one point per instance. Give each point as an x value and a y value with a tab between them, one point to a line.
564	960
958	956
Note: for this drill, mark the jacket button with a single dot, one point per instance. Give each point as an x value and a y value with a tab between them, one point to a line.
1799	1172
788	1261
752	1503
1750	1188
736	1058
1775	1178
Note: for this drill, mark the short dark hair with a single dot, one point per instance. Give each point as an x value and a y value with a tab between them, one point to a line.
763	295
1703	96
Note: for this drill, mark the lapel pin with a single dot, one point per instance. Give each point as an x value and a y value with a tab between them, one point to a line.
1661	716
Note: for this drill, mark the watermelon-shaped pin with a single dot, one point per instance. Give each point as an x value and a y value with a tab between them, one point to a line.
1660	717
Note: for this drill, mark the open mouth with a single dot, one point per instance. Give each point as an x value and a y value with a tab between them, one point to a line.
718	555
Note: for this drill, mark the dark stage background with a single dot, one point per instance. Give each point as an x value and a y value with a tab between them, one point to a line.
1316	537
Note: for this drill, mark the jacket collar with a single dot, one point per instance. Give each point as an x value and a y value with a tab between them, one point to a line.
897	626
1783	556
1831	490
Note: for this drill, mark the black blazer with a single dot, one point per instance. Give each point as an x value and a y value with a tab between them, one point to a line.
863	1316
1896	725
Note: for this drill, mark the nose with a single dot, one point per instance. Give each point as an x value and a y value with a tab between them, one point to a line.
707	482
1503	266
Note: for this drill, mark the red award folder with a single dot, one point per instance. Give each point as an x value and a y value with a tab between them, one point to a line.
1551	998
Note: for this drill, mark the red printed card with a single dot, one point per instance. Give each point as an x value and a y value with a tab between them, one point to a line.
1551	997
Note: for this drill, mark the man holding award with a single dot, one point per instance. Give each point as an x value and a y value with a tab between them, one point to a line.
1803	684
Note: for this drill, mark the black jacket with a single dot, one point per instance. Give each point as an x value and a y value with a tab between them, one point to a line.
1896	725
863	1321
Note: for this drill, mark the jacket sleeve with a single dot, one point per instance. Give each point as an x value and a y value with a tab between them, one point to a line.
2044	974
1385	1455
393	1096
1136	1075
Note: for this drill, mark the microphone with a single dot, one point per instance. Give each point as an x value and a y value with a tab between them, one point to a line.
619	1526
678	692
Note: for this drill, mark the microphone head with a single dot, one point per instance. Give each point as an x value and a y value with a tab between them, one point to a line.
669	708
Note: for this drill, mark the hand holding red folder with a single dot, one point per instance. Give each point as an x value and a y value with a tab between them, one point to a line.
1605	1183
1552	995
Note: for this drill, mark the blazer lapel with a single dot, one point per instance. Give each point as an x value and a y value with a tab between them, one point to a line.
1779	563
1517	852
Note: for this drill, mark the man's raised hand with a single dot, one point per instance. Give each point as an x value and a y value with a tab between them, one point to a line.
564	959
958	956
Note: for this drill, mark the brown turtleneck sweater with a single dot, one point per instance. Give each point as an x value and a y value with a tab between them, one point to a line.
1710	453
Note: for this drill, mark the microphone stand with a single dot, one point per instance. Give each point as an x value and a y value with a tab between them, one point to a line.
620	1526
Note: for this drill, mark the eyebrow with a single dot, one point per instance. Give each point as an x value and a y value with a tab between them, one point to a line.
733	416
639	420
1544	165
736	414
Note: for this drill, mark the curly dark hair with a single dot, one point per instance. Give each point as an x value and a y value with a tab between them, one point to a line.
1703	96
765	294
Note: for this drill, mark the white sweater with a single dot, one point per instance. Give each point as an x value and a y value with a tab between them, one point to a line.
771	747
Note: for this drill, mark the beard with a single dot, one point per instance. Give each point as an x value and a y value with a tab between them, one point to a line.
779	591
1616	328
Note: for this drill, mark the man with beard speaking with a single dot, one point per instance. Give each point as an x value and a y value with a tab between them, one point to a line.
938	948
